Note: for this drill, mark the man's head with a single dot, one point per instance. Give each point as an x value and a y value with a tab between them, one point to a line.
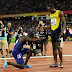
31	35
1	24
41	22
9	24
51	8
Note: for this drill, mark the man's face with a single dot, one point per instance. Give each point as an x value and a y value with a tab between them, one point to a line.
9	24
41	22
50	9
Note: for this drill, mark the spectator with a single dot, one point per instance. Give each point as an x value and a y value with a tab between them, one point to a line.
19	32
10	32
3	39
43	33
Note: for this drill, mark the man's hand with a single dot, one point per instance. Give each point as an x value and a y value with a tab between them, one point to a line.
1	26
61	34
3	29
42	27
8	31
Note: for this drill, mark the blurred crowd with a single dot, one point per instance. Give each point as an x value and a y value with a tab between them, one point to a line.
27	25
29	6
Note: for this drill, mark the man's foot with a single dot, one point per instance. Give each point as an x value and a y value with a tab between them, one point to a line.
27	66
61	66
42	54
2	56
53	65
45	55
5	65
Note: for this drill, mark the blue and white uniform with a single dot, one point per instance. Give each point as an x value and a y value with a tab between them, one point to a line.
19	51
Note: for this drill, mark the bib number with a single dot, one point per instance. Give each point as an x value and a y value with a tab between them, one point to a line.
53	22
18	56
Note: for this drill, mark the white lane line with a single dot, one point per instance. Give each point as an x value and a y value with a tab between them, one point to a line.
42	68
37	57
60	70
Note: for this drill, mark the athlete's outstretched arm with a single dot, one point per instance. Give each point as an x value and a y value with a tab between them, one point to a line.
61	15
33	39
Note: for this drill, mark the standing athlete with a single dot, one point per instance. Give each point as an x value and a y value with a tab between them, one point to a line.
56	17
19	51
57	20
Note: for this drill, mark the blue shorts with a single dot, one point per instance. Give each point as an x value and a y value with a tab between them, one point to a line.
18	55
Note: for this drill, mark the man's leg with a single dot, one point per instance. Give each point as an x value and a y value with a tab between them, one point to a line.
21	66
9	41
29	52
5	43
60	53
19	59
2	56
55	52
45	48
1	50
42	49
55	55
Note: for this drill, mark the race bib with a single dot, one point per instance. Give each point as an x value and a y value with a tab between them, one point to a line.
18	56
53	22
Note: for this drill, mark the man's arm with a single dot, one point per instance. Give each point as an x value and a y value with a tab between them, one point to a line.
12	32
63	22
38	28
3	29
33	39
47	26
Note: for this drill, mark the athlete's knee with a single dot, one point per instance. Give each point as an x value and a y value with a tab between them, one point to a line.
22	67
54	46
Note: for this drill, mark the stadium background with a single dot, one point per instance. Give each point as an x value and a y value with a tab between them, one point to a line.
27	13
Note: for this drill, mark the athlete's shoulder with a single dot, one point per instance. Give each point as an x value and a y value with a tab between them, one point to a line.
61	13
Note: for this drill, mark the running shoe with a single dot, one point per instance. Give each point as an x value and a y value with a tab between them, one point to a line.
53	65
5	65
27	66
61	66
